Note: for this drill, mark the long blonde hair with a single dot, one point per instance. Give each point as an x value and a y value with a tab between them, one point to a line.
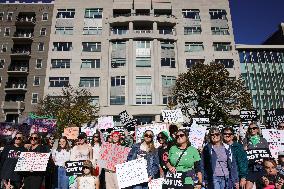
151	145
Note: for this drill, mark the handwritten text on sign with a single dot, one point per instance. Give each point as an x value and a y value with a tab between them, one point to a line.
132	173
74	168
174	180
71	132
258	154
32	161
105	122
196	136
275	139
274	117
172	116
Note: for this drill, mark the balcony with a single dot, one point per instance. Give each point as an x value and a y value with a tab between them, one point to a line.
20	52
19	36
18	70
25	21
16	86
13	105
130	17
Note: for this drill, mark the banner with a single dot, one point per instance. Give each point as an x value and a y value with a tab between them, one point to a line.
172	116
32	161
132	173
7	129
257	154
275	139
112	154
248	115
105	122
156	128
274	117
156	183
74	167
71	133
43	125
174	180
197	135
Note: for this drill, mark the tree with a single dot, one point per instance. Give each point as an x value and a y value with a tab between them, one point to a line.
207	90
73	107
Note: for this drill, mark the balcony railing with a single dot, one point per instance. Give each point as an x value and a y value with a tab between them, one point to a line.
119	32
19	51
8	105
26	19
16	85
166	31
143	31
143	14
18	69
23	35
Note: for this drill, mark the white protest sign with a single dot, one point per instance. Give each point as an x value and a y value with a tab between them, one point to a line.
275	139
132	173
156	128
105	122
172	116
32	161
90	131
205	122
156	183
196	135
87	182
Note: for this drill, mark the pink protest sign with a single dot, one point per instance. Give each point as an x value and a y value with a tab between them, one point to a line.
105	122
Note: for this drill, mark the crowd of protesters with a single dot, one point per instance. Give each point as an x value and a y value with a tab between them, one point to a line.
221	163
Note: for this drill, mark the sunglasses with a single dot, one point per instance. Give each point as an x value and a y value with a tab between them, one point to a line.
96	136
33	138
180	136
159	138
86	167
253	128
18	138
148	136
228	134
215	134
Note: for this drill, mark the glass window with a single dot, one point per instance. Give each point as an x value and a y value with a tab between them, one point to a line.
143	44
117	100
168	81
118	81
143	61
143	99
118	45
43	31
191	14
167	45
143	90
192	30
89	82
94	13
194	46
119	30
170	62
92	30
7	32
58	81
38	63
220	31
95	100
36	80
41	46
118	62
191	62
45	16
64	30
228	63
90	63
91	46
2	63
1	16
219	14
10	16
4	48
60	63
222	46
65	13
34	98
62	46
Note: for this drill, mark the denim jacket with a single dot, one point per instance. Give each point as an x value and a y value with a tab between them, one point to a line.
151	157
208	164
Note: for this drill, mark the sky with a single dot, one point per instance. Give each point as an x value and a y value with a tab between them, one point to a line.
255	20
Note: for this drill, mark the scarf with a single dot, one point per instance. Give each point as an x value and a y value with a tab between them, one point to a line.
255	140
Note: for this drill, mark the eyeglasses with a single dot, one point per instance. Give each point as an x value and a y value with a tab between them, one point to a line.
33	138
159	138
253	128
148	135
18	138
86	167
215	134
227	134
96	136
180	136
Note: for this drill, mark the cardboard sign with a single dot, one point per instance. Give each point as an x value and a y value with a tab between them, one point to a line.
32	161
132	173
258	154
74	168
156	183
172	116
156	128
112	154
90	131
105	122
174	180
126	120
274	117
71	132
275	139
197	135
248	115
43	125
7	129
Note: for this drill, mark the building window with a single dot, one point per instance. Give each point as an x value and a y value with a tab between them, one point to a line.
91	46
95	100
118	81
220	31
143	54
4	48
62	46
167	45
41	46
91	63
45	16
89	82
65	13
192	62
64	30
58	81
143	44
191	14
218	14
7	32
168	81
10	16
38	63
0	81
222	46
143	90
1	16
2	63
117	100
34	98
143	61
192	30
36	80
94	13
60	63
43	31
92	30
194	46
118	62
228	63
170	62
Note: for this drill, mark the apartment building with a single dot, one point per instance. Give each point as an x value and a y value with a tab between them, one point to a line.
128	53
24	40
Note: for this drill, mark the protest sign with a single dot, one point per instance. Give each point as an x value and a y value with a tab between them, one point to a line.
172	116
204	122
7	129
274	117
71	132
156	183
126	120
89	130
197	135
248	115
40	125
156	128
87	182
132	173
74	167
275	139
112	154
174	180
258	154
105	122
32	161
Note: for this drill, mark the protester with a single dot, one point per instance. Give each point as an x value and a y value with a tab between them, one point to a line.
163	151
81	151
8	161
96	144
33	180
281	126
238	152
219	167
93	182
173	129
51	169
185	158
270	178
254	141
280	166
60	156
146	150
